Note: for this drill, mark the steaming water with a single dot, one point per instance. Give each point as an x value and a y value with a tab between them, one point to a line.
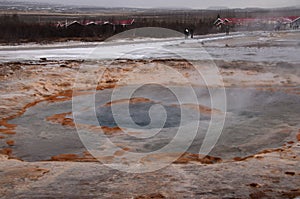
254	122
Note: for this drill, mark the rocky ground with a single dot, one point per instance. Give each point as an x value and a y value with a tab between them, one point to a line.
271	173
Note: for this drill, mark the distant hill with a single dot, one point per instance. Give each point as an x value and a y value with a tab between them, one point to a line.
15	6
217	8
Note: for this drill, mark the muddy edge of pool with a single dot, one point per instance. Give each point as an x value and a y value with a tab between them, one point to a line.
251	115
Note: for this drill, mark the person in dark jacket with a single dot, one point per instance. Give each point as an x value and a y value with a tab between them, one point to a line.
192	33
186	33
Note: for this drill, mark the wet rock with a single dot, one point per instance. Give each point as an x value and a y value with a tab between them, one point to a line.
255	185
65	66
188	157
62	119
10	142
65	157
85	157
291	173
6	151
151	196
111	130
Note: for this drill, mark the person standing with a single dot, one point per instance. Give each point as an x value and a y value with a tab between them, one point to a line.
192	33
186	33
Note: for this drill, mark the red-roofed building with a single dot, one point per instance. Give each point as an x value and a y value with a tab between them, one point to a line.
271	22
88	23
124	22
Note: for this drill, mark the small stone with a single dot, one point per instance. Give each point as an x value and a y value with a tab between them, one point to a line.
255	185
10	142
291	173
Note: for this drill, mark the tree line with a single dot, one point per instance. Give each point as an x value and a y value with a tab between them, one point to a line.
14	29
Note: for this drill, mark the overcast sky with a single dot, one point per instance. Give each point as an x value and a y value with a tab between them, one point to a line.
177	3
